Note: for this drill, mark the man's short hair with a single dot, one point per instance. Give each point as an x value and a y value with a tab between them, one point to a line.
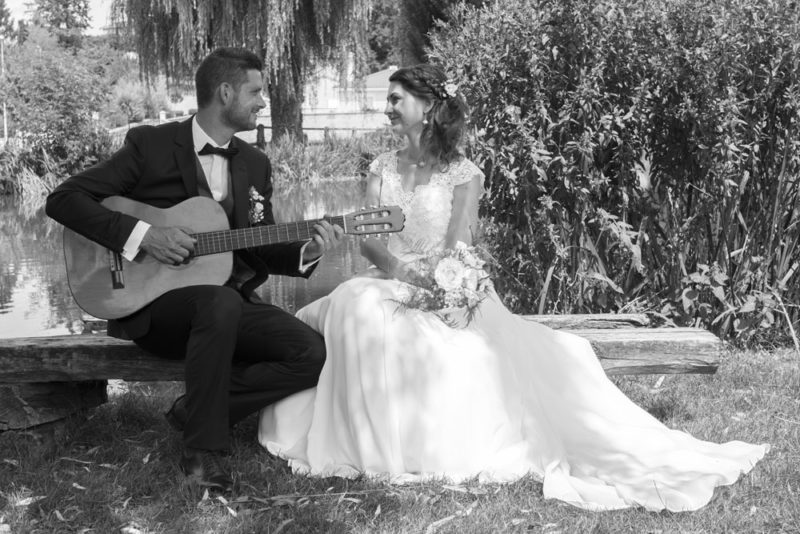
223	65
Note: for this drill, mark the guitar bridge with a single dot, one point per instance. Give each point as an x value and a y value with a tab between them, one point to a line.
115	267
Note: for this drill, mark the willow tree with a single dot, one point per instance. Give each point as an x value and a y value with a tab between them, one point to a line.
293	36
416	19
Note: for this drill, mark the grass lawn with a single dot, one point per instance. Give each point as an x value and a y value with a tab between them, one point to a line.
116	472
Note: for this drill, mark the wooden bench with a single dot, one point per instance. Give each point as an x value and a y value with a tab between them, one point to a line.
44	379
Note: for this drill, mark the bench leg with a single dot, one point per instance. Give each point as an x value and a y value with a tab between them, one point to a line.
23	406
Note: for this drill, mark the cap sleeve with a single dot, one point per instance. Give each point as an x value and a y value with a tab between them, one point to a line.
463	172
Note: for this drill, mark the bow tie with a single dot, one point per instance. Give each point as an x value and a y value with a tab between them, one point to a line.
225	152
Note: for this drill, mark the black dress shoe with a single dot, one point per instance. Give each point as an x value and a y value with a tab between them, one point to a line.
176	415
206	468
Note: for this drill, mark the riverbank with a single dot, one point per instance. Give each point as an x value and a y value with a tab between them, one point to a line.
345	153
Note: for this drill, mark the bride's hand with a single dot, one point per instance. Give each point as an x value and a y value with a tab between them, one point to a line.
377	253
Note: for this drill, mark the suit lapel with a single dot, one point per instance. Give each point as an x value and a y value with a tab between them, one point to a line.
240	186
185	157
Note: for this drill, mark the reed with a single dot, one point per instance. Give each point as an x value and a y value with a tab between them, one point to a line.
334	157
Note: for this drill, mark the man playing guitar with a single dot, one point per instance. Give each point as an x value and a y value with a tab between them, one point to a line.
240	354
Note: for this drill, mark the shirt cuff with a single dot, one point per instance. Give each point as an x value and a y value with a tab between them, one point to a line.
131	248
305	266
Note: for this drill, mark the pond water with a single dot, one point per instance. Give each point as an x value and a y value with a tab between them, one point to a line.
34	295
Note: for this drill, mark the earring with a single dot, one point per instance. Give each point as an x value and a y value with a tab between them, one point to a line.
425	122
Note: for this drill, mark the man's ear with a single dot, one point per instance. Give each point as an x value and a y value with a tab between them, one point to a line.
225	92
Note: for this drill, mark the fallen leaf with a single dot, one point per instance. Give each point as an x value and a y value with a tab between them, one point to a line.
28	501
9	461
377	512
78	486
146	458
67	458
433	527
282	526
59	516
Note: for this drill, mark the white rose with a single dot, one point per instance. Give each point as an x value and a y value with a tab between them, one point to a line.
449	274
471	260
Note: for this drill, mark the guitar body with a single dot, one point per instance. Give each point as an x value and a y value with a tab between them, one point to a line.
144	279
108	286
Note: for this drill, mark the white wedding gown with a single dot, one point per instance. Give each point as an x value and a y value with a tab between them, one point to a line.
405	397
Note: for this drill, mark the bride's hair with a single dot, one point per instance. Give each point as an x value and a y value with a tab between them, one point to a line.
441	137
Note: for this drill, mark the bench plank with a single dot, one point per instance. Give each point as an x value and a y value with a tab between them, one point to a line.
630	350
598	320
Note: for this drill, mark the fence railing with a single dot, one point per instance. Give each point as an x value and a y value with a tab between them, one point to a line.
258	135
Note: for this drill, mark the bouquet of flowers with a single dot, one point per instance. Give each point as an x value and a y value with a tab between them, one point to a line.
449	281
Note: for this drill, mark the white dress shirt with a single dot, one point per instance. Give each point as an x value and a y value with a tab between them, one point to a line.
216	169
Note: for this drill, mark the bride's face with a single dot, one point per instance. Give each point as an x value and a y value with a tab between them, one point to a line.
404	110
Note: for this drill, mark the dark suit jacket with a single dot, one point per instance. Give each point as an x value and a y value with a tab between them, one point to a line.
157	165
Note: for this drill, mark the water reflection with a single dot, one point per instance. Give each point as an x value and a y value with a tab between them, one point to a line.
34	296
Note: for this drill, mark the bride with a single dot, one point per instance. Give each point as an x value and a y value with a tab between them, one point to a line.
405	397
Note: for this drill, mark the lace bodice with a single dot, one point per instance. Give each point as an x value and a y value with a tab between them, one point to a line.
427	208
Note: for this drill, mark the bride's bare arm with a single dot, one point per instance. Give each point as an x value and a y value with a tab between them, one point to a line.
373	249
463	224
373	195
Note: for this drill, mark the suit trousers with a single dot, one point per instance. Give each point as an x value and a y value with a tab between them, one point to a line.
240	356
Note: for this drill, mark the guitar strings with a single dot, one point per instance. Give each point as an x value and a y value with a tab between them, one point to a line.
224	240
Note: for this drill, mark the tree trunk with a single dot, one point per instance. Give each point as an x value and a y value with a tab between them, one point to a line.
285	101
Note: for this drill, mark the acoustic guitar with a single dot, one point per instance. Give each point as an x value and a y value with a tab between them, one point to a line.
106	285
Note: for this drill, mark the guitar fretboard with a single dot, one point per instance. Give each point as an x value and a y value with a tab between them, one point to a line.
257	236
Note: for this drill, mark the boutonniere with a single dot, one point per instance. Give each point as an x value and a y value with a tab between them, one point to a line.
256	211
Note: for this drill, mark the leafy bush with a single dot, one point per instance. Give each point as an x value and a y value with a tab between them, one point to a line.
638	154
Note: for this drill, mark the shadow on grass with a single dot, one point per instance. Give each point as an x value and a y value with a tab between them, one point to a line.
117	468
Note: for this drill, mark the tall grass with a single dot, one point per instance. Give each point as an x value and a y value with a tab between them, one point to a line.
118	469
334	157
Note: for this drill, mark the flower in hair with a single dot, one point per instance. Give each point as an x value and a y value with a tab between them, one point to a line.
451	89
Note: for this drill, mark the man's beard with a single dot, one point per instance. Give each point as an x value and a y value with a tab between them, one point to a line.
238	117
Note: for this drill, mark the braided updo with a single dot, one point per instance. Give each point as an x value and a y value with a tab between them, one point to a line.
441	137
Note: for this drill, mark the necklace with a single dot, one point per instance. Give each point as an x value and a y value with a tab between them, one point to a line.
418	162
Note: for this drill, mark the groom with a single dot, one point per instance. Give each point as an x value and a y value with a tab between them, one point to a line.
240	354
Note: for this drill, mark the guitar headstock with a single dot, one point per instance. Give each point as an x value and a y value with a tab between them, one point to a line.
378	220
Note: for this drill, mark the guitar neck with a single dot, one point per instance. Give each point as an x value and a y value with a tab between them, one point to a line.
258	236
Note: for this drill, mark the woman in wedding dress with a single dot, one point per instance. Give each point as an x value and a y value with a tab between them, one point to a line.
405	397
